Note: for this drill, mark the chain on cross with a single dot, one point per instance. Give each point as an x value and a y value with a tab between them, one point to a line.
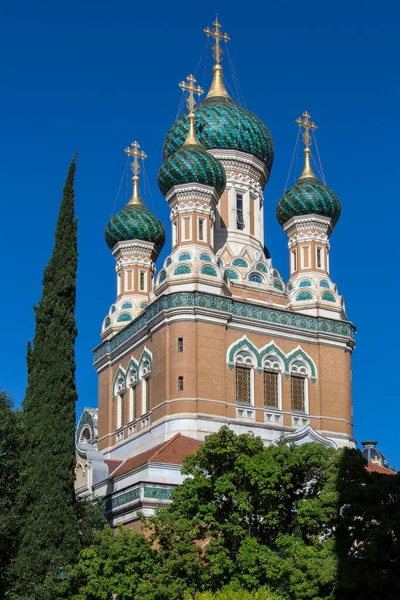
307	124
192	89
217	35
134	151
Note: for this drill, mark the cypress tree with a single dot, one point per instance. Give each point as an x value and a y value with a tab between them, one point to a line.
49	536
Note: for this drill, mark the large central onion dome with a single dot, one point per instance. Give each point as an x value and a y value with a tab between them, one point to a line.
135	222
308	196
221	123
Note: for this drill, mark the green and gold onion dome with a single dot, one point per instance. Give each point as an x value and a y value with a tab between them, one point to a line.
135	222
191	163
221	123
308	196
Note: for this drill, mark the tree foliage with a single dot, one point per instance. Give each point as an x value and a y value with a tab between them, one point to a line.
49	535
10	433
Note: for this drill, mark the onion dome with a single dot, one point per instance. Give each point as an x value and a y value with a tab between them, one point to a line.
308	195
191	164
372	454
221	123
135	221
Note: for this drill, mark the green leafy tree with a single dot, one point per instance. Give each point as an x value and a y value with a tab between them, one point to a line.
10	433
265	515
261	594
49	535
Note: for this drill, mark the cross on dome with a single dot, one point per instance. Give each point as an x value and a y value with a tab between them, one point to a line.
217	35
134	151
136	168
307	124
192	89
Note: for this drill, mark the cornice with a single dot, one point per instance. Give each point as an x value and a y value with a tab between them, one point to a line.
132	247
194	192
299	224
235	160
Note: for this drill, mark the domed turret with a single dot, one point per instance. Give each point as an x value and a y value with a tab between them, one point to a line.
135	221
308	195
221	123
371	453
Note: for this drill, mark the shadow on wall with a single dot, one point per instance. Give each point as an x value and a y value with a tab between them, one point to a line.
368	533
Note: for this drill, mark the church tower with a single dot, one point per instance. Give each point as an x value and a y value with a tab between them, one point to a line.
216	337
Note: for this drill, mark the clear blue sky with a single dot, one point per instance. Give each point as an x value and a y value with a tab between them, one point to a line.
97	75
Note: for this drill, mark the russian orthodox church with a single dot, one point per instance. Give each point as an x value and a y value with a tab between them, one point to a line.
216	337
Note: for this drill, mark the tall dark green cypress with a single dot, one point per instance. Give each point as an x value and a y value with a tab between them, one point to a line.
49	536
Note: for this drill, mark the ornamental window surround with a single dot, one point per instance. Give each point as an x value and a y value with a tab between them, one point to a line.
201	229
293	261
186	223
319	257
146	387
244	375
299	378
305	257
272	382
142	281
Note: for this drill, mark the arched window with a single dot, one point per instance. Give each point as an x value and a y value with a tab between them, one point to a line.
132	382
272	382
299	375
118	394
244	373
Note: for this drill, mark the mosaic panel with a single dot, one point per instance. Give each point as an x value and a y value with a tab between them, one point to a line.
328	296
205	257
278	284
255	278
209	271
113	503
232	273
163	275
124	317
168	262
182	270
324	284
185	256
158	493
127	305
261	267
304	296
239	262
107	322
305	283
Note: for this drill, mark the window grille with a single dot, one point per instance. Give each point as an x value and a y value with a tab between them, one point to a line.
297	390
243	385
271	389
239	211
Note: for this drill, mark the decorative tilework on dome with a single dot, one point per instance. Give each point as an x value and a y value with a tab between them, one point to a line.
162	276
185	256
324	284
206	270
305	283
304	296
127	305
278	285
328	296
135	222
239	262
255	278
205	257
221	123
261	267
107	322
124	317
232	273
182	270
191	164
308	196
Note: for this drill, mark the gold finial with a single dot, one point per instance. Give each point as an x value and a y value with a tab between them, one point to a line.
217	86
136	168
192	89
307	124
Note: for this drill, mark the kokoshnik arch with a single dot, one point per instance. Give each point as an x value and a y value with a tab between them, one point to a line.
216	336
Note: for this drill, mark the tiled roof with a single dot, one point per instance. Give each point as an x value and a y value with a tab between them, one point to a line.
172	453
374	468
112	464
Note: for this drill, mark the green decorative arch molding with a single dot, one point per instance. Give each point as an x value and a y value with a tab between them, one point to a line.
298	353
244	344
133	366
86	420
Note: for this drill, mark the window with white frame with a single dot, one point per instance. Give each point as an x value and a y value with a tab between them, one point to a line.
244	374
119	283
239	211
142	281
174	233
186	224
146	387
132	400
319	257
293	261
120	410
129	280
305	257
272	383
201	229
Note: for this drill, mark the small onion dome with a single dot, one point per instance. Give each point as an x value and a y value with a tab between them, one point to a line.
135	222
191	164
308	196
221	123
372	454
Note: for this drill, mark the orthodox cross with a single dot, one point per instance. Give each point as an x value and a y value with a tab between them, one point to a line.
218	36
307	124
192	89
134	151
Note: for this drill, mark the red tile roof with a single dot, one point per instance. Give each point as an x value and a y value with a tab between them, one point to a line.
112	464
172	453
374	468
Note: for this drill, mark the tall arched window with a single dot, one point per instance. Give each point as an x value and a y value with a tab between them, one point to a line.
272	382
244	372
120	410
299	386
132	400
